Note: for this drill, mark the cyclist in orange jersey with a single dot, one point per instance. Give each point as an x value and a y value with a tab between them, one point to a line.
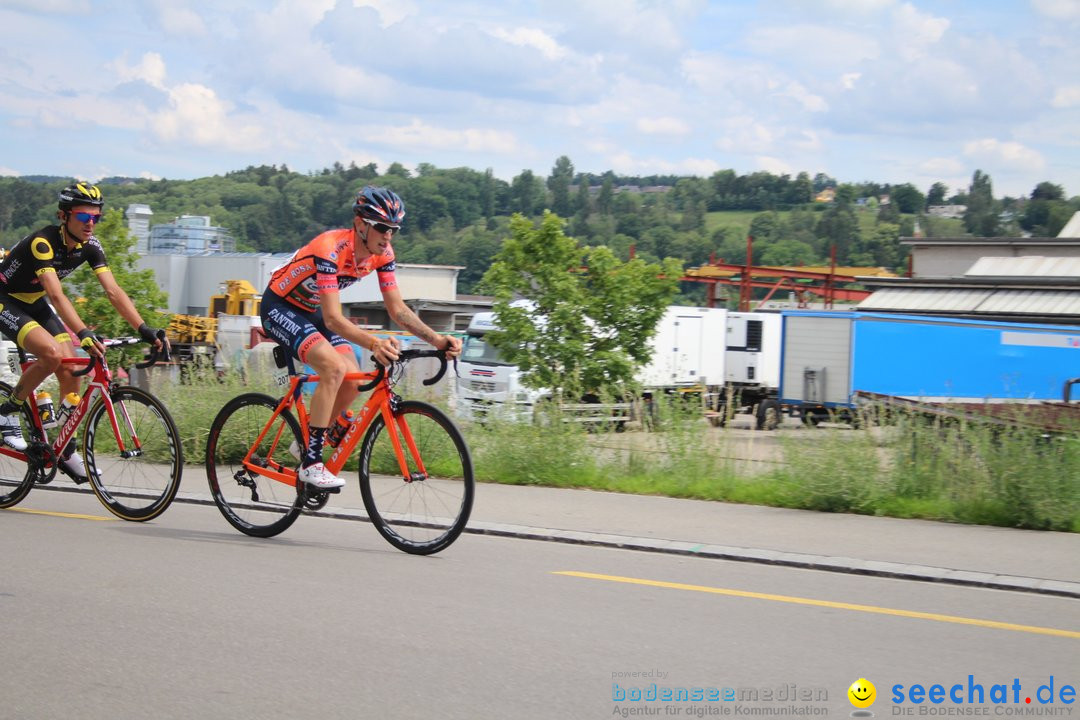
301	309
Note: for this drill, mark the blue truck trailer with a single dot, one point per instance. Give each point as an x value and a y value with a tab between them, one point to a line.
827	357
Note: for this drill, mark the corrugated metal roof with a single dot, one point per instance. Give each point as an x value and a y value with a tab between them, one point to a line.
1033	302
926	299
964	300
1029	266
1072	228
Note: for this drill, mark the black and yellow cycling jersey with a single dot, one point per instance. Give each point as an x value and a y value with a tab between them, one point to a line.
43	252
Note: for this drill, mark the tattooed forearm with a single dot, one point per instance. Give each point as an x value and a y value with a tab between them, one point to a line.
407	319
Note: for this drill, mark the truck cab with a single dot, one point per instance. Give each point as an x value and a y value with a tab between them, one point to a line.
487	383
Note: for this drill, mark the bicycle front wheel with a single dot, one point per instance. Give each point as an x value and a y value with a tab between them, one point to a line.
254	503
16	478
423	510
136	473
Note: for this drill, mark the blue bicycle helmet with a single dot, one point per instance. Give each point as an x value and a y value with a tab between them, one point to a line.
379	205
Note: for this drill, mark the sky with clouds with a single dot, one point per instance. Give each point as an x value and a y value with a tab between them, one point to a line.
881	90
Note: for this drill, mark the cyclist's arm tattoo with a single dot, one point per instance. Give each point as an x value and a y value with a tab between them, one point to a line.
409	320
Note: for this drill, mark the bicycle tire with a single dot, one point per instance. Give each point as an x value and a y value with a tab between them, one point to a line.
16	476
424	514
253	504
140	483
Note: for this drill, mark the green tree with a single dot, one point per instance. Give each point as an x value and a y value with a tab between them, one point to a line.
907	198
937	194
562	175
141	286
981	218
527	193
606	196
582	330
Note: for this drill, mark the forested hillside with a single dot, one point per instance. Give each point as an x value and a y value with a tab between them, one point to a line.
459	216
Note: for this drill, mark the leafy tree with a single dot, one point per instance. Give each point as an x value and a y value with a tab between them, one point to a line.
937	194
838	226
1048	191
527	193
788	252
562	175
605	199
981	217
583	330
907	198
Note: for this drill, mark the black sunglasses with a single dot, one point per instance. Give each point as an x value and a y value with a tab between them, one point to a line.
85	217
381	227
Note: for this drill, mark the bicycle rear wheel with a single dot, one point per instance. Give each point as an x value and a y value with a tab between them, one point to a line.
16	477
253	503
426	511
140	481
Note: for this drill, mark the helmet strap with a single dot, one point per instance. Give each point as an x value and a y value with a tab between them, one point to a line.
363	236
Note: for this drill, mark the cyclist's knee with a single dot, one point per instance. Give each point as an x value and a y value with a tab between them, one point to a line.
50	357
335	372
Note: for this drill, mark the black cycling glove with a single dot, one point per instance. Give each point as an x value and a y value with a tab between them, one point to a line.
148	333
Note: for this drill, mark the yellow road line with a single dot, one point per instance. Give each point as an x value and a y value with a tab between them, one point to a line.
828	604
61	514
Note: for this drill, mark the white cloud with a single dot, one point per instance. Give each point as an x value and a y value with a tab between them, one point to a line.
390	11
47	7
1058	9
833	49
745	134
196	115
1066	97
175	19
915	31
8	172
150	69
662	126
775	165
941	166
626	164
809	101
533	38
849	80
1011	155
418	134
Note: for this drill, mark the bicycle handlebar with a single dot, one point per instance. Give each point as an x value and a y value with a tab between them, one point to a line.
404	357
155	355
117	342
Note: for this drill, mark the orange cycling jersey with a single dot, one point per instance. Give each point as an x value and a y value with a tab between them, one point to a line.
328	264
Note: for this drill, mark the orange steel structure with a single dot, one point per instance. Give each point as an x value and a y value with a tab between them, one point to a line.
823	281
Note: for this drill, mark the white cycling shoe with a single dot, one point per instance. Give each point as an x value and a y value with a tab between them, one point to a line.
318	477
11	432
75	468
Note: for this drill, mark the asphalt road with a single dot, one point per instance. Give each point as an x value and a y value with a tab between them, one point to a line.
186	618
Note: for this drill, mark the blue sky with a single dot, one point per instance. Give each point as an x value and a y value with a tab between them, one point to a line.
882	90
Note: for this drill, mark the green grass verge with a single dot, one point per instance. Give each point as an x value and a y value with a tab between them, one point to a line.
913	468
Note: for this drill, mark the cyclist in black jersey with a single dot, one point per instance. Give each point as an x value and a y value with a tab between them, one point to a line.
34	309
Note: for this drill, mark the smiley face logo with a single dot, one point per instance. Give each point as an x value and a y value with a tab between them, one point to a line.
862	693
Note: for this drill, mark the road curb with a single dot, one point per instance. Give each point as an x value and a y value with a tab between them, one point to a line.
850	566
761	556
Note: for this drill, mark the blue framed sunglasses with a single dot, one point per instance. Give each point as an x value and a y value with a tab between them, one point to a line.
85	217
